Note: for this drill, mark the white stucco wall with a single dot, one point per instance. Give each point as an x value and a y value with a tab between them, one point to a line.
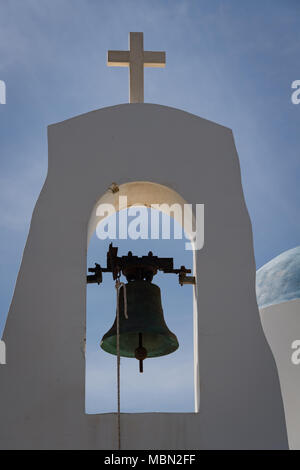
42	385
281	324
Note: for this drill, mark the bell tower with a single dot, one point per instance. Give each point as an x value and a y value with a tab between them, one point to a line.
42	384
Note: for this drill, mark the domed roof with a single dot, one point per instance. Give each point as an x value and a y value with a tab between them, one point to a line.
279	280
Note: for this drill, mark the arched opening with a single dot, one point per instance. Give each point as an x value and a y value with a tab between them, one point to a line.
169	383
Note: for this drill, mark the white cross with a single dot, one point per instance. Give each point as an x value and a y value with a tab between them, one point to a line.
136	59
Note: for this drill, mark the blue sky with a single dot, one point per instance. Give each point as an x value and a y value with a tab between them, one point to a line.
228	61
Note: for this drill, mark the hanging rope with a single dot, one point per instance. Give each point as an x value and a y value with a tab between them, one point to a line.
119	285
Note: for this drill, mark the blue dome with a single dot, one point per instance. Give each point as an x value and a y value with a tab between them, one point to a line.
279	280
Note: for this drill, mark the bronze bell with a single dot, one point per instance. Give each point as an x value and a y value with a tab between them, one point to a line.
144	333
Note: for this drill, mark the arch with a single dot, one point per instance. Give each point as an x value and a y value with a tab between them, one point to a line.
139	193
147	193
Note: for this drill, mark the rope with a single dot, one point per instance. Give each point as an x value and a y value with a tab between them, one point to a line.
119	285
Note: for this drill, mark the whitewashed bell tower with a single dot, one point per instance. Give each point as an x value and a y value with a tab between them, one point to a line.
42	385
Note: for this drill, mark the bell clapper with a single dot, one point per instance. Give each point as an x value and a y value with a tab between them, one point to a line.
141	352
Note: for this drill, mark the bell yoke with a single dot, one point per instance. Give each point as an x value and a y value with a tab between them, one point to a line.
143	330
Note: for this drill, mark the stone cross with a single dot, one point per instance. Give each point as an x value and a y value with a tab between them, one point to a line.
136	59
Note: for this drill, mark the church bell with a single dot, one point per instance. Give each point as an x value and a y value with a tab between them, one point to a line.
143	332
145	326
